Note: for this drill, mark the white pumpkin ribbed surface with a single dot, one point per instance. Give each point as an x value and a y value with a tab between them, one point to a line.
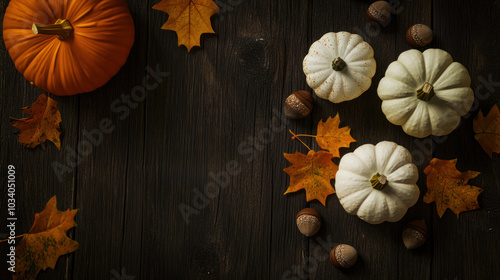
354	188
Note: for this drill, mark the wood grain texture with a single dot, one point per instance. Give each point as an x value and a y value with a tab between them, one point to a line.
382	253
466	237
36	182
222	104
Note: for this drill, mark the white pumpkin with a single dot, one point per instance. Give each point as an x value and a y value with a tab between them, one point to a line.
377	183
339	66
426	93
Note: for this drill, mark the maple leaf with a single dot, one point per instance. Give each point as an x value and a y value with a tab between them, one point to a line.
331	137
43	124
488	131
448	187
45	242
189	18
313	173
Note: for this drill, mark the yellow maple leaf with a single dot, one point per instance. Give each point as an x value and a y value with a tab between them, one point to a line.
448	187
487	130
45	242
43	124
313	173
331	137
189	18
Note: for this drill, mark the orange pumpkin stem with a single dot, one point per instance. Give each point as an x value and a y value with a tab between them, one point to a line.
61	28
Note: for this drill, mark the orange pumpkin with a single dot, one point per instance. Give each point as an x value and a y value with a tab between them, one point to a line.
68	47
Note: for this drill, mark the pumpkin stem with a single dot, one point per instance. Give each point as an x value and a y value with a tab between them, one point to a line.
338	64
426	92
61	28
378	181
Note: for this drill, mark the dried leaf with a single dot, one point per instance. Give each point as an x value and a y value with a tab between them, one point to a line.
189	18
45	242
43	124
313	173
488	131
330	137
448	187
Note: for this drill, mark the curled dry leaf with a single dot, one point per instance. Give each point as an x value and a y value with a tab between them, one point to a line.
189	18
45	242
311	172
448	187
331	137
487	131
43	124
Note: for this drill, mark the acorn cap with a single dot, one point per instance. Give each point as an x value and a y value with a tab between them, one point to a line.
308	221
299	104
419	35
414	234
379	12
309	211
343	256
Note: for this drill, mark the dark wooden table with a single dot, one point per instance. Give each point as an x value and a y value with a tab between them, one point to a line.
210	111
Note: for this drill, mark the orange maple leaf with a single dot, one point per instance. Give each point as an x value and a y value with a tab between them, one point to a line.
45	242
43	124
488	131
331	137
448	187
189	18
313	173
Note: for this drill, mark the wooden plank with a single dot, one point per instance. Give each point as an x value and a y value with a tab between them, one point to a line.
178	147
414	264
463	247
131	243
36	181
110	180
365	118
382	254
222	97
288	249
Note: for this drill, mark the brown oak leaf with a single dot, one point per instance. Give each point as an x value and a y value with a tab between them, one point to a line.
313	173
448	187
43	124
487	131
189	18
45	242
330	137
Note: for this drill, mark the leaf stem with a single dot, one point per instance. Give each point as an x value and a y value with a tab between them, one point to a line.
304	135
13	238
297	137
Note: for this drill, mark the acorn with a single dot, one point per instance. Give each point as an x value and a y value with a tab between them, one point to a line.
308	221
379	12
343	256
299	104
414	234
419	35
